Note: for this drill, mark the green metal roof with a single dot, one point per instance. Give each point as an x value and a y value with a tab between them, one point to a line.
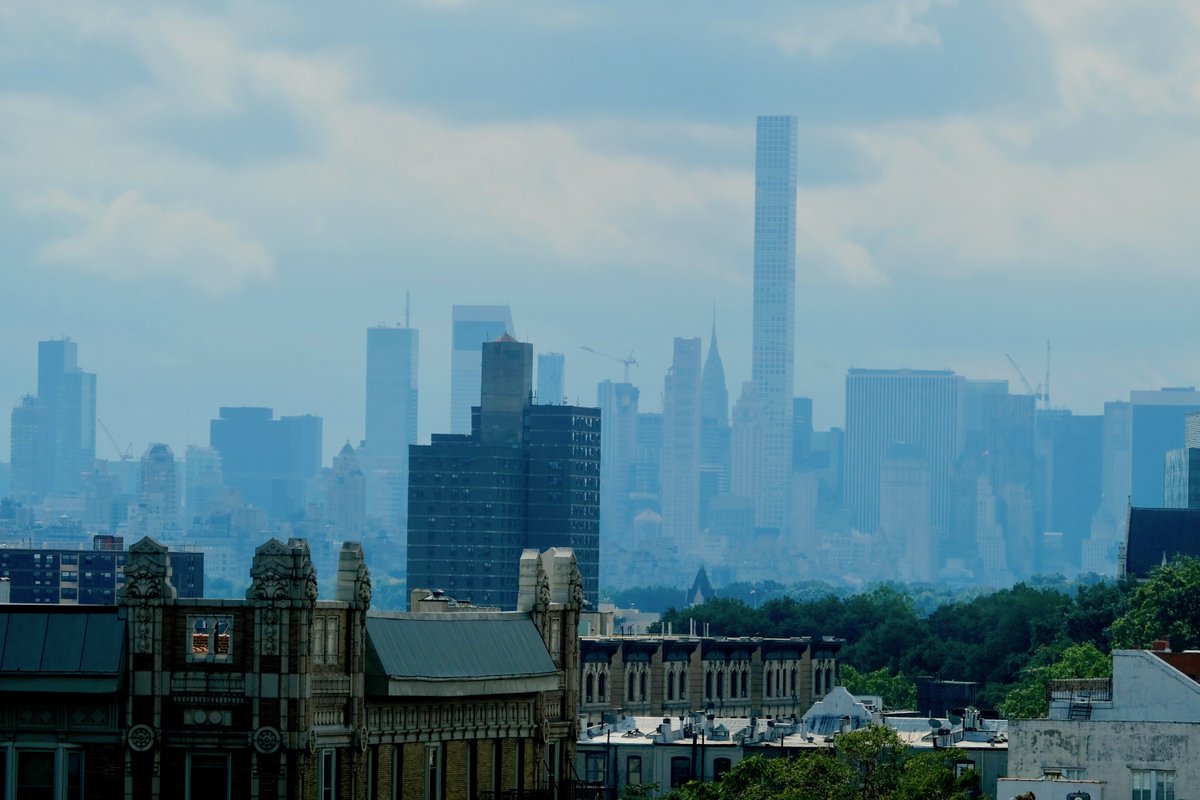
60	649
488	648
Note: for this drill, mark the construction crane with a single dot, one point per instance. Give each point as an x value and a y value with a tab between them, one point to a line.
629	361
1038	393
125	454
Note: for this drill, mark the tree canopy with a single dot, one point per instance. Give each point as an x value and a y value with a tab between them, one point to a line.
871	763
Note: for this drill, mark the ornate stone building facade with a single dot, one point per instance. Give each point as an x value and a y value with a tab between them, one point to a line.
730	677
282	695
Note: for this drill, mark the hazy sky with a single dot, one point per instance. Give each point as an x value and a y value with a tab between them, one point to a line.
215	200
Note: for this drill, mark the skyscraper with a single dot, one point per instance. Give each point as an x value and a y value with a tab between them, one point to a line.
526	476
471	327
774	318
66	439
618	404
714	429
1158	425
269	461
681	445
911	407
158	493
391	422
551	378
392	356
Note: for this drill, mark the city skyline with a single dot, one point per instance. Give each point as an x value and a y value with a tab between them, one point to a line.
217	224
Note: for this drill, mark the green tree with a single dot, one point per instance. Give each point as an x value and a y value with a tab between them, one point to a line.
896	690
1027	699
1168	604
876	755
931	775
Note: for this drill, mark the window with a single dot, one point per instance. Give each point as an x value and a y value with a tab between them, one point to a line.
720	767
49	772
596	768
327	775
325	640
1153	784
35	774
670	686
433	772
602	687
683	684
681	771
207	776
642	687
633	770
211	637
589	688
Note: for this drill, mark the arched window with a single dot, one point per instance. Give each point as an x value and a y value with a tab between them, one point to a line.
602	687
720	684
779	682
670	685
683	683
631	686
829	679
589	685
642	687
745	682
793	680
817	680
708	688
770	682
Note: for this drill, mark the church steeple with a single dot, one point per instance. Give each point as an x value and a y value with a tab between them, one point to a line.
714	396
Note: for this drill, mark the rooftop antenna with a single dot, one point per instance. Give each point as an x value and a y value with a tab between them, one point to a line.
407	307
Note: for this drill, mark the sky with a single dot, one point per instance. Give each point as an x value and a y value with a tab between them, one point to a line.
215	200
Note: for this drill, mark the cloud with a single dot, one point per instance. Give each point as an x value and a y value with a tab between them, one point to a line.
131	239
819	30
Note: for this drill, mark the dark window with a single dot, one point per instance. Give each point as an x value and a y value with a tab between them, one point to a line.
35	775
208	776
681	771
720	767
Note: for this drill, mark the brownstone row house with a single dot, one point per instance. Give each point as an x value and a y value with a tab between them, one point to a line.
282	695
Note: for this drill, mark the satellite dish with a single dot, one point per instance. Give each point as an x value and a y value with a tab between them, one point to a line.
935	723
954	720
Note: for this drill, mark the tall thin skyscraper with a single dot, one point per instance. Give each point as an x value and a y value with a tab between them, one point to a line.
392	355
618	404
472	326
681	445
391	424
774	316
551	378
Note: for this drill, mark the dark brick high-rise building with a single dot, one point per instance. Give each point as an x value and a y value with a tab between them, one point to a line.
526	476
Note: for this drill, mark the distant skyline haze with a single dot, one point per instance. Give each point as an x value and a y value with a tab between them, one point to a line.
214	201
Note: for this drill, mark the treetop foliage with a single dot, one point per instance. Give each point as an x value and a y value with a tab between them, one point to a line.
1009	640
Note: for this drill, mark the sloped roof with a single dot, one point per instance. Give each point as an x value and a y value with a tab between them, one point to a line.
492	652
60	649
1160	533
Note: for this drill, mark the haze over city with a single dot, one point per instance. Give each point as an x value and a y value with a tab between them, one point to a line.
216	201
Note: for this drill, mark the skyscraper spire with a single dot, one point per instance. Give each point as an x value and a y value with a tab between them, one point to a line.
714	396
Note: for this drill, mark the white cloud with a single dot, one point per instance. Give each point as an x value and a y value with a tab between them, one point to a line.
132	239
819	30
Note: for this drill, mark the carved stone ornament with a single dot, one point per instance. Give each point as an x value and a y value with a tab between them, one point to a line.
576	589
543	588
361	739
147	574
266	740
362	582
311	743
140	738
